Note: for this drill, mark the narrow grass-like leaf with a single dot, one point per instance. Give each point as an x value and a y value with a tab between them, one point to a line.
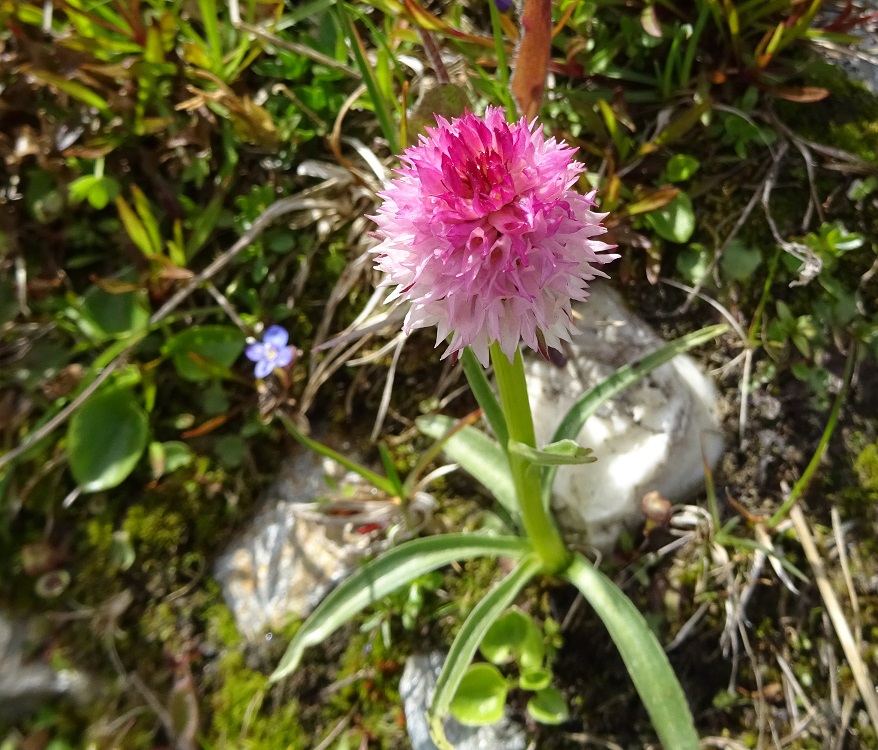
692	48
485	395
840	399
591	401
502	62
382	483
213	47
478	455
73	88
385	574
467	640
382	112
134	226
644	657
390	470
150	224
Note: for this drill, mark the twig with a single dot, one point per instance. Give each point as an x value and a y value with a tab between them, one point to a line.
842	629
299	49
846	574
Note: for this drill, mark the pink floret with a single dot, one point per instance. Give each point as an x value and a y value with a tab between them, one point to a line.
483	232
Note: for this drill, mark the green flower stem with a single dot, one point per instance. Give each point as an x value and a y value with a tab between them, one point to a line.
538	524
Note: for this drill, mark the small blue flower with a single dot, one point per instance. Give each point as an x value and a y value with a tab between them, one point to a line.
503	5
272	352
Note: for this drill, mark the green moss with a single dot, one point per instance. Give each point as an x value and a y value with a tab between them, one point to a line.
866	467
847	119
240	717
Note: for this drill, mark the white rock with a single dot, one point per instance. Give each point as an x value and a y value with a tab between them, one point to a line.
651	437
416	690
27	684
317	523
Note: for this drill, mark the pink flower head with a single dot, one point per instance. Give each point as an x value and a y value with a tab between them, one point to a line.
484	233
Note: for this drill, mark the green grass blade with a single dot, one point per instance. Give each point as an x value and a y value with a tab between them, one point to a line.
503	90
382	111
214	46
477	454
644	657
468	638
591	401
385	574
382	483
484	394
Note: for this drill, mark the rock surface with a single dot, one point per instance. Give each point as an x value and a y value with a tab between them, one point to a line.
317	523
26	684
416	689
859	61
651	437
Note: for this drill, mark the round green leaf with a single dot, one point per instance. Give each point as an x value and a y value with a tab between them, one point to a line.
105	439
204	352
675	221
548	707
514	636
739	261
113	314
681	167
481	696
535	679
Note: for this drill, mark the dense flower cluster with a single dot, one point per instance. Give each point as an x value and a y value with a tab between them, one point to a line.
483	232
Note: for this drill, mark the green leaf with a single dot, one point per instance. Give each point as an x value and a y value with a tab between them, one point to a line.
165	458
114	314
135	228
74	88
549	707
739	261
480	697
514	636
674	222
381	106
106	438
150	223
626	375
693	263
203	352
468	638
104	190
385	574
564	452
535	679
477	454
643	655
681	167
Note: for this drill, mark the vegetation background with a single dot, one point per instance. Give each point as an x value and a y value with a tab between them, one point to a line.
178	174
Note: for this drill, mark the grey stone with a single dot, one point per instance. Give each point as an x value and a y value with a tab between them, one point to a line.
316	524
416	690
25	685
859	61
652	436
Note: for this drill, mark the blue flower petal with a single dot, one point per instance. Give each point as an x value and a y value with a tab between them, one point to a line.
284	356
255	352
263	368
276	336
